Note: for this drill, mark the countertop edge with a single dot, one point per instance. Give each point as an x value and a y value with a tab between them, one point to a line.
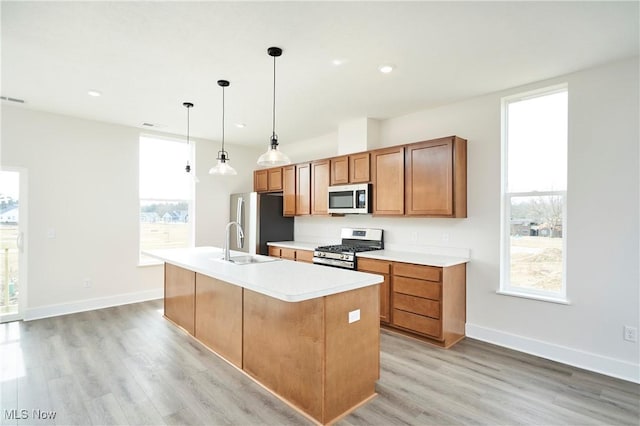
419	258
374	279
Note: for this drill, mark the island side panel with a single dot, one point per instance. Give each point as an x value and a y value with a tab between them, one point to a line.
218	317
179	296
283	348
352	349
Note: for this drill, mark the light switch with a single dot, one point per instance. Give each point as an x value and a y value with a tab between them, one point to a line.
354	316
51	233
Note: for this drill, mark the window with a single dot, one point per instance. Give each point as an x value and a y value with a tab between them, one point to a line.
166	201
534	193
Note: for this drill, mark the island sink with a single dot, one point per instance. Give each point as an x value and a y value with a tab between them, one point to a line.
246	260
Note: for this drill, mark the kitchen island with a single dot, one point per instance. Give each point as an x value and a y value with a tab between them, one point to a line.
307	333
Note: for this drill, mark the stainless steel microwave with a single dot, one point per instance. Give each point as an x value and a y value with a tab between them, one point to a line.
350	199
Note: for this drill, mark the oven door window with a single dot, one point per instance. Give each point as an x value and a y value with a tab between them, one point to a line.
341	200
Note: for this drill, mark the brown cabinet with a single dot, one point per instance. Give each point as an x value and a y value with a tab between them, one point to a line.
260	180
352	168
289	191
179	296
298	255
383	268
427	179
387	167
218	322
430	301
319	187
303	189
340	170
359	168
266	180
436	178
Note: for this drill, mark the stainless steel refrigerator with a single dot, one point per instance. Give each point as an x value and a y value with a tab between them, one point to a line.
260	215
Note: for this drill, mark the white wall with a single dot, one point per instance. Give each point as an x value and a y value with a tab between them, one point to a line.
603	229
212	193
83	183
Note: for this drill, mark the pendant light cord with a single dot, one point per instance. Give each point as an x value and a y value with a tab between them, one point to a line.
223	119
274	96
188	125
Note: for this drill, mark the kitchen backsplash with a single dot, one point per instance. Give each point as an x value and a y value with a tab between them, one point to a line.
435	236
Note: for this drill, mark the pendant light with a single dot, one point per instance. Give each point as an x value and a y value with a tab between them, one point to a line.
273	157
187	105
223	167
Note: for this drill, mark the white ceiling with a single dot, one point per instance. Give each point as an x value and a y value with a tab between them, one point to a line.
149	57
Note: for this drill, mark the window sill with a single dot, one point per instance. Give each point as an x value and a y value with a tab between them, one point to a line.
551	299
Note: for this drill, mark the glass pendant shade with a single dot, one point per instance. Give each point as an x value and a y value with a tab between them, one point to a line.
273	157
223	168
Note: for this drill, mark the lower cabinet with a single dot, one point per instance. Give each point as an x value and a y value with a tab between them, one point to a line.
291	254
383	268
179	291
429	301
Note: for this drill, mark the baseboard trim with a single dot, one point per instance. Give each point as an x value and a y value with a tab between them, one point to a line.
586	360
91	304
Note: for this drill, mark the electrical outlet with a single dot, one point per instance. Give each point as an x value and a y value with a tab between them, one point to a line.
414	236
630	334
445	237
86	283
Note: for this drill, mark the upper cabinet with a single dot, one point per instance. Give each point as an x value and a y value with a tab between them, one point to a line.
427	179
352	168
319	187
303	189
387	166
266	180
359	167
289	191
339	170
436	178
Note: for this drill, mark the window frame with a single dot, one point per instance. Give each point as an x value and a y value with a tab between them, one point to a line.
505	287
148	261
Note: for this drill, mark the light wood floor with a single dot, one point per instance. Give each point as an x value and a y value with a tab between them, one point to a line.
128	365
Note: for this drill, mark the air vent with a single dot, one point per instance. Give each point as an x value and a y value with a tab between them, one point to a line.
5	98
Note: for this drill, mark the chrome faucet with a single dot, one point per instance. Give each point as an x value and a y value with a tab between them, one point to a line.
226	238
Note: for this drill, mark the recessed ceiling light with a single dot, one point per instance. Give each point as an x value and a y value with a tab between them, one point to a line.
94	93
241	125
337	62
386	68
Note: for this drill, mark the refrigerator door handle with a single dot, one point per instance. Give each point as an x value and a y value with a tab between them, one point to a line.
240	220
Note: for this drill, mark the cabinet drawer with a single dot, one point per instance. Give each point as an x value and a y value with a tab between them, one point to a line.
304	256
274	251
415	287
417	305
417	271
287	253
418	323
370	265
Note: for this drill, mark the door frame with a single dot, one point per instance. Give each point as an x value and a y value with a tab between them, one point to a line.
23	210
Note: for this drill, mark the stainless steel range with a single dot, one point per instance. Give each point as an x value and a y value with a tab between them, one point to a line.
353	241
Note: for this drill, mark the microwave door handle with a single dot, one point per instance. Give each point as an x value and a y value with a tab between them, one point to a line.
240	220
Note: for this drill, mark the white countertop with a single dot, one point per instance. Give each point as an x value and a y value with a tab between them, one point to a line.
414	257
418	258
282	279
296	245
